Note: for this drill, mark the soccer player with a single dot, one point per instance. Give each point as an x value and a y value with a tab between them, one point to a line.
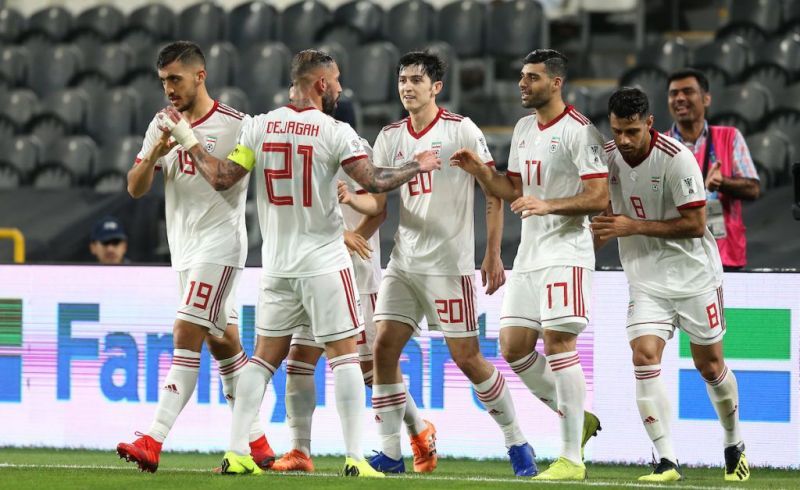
208	246
556	177
674	271
433	263
307	281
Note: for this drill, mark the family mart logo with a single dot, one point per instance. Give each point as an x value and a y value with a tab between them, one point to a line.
760	340
10	345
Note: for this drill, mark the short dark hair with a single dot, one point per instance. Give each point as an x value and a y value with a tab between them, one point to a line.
698	75
555	63
432	64
184	51
628	102
308	60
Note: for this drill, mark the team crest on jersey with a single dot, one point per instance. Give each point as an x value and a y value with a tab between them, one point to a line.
436	147
211	143
688	186
554	141
655	183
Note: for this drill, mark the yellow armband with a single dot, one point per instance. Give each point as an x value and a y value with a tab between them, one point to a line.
244	156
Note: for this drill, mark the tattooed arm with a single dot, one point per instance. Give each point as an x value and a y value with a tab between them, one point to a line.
383	179
222	174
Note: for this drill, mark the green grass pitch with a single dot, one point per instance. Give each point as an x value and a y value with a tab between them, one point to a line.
52	468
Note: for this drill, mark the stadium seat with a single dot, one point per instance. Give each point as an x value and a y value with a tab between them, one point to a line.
110	183
463	26
251	23
786	121
751	34
764	14
728	118
783	50
150	94
669	56
342	34
409	25
301	22
112	61
15	64
25	152
139	41
70	105
12	25
48	129
10	176
770	149
729	55
263	70
91	82
7	128
202	23
54	22
653	81
342	57
363	15
232	97
119	155
789	98
450	96
20	106
77	154
112	115
57	67
749	100
514	28
374	81
718	79
790	13
771	76
221	64
106	20
156	18
89	43
52	177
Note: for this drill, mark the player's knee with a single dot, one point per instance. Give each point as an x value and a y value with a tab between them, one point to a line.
645	358
513	351
710	369
385	351
469	361
188	336
222	347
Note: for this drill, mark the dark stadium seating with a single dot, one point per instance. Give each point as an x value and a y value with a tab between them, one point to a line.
342	56
70	105
462	25
764	14
729	55
25	152
10	177
56	68
771	76
202	23
48	129
77	154
232	97
770	149
300	23
783	50
751	34
264	69
251	23
155	18
514	28
56	23
112	115
12	25
106	20
409	25
52	176
364	16
669	55
20	106
374	81
222	60
15	64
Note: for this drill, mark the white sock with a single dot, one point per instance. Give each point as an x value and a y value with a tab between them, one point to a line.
571	393
654	409
229	371
250	393
413	420
494	394
535	372
301	400
178	388
724	395
389	405
350	400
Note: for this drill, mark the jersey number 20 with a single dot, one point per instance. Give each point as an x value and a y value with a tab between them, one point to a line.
285	149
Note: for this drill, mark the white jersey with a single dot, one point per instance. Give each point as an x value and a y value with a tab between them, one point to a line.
204	226
552	161
368	271
298	153
667	180
436	232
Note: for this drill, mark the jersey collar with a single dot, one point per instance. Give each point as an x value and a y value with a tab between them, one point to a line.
295	109
653	138
555	120
204	118
427	128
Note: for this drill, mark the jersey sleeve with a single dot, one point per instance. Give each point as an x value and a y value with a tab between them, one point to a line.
350	181
244	152
588	155
379	151
685	181
513	159
150	138
348	146
473	139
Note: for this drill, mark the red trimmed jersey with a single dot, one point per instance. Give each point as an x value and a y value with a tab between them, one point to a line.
203	225
297	155
436	231
666	180
368	271
552	161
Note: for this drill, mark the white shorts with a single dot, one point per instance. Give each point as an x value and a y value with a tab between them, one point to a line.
447	302
327	306
207	296
552	298
701	316
365	339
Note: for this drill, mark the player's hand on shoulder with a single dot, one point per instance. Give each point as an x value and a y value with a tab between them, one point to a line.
493	273
527	206
607	227
428	161
343	192
357	244
467	160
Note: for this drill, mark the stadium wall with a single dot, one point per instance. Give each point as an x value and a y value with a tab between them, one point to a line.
82	350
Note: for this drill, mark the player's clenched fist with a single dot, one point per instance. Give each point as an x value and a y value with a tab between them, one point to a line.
169	119
357	244
617	225
428	161
467	160
343	192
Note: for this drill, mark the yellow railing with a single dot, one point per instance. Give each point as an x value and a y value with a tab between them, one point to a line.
15	236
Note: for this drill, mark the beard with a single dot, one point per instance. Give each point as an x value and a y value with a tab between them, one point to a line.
535	101
329	104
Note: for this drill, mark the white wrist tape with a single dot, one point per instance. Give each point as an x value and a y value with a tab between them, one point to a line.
181	131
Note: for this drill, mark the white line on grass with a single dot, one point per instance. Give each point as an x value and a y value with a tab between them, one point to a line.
589	483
